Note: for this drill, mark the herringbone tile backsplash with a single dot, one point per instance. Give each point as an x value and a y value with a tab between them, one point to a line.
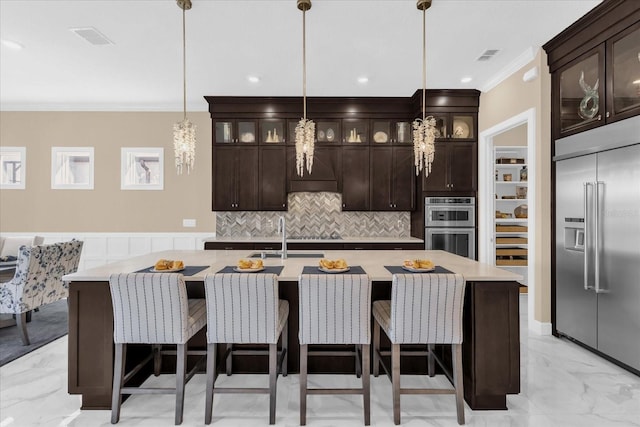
314	215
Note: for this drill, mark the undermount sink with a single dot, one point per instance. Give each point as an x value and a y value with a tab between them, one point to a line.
289	255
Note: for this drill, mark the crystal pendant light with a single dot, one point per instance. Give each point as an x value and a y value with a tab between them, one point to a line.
305	129
424	129
184	132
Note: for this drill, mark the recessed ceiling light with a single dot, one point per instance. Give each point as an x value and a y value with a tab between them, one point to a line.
363	80
11	44
636	82
465	79
253	79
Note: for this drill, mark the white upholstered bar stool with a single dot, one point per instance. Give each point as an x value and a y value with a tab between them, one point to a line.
152	308
244	308
335	309
424	309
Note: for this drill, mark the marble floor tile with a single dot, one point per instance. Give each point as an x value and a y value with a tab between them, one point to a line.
563	385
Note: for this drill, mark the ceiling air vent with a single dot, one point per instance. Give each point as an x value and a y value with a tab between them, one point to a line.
488	54
91	35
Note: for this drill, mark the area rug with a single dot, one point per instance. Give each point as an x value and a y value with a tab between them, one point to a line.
47	324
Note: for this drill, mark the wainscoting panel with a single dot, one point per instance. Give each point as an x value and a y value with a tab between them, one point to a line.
103	248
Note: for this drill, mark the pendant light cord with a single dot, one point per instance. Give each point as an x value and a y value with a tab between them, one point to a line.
184	64
424	61
304	64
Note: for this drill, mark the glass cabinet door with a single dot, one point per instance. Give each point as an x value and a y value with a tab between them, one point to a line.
355	131
462	127
381	132
272	131
442	125
224	132
328	132
625	62
403	133
581	92
247	132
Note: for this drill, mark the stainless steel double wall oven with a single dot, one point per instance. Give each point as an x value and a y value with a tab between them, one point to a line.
450	225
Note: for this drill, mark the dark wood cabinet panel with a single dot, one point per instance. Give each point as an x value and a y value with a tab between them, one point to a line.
355	179
463	167
454	168
404	179
438	178
235	179
224	179
273	179
392	179
229	246
381	178
325	174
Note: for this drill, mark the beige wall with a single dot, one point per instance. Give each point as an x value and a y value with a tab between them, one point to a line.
509	98
106	208
516	136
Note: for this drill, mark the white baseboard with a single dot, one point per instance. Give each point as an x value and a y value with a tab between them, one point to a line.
103	248
540	328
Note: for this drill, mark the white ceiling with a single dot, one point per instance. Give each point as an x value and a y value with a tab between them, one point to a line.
229	40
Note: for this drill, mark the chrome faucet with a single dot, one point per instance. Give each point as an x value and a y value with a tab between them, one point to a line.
282	228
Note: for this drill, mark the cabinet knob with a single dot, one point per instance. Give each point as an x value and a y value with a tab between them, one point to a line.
608	114
451	185
599	116
343	205
283	205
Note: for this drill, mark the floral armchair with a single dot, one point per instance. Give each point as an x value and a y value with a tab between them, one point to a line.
38	279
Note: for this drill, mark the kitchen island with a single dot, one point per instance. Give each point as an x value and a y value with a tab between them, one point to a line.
491	355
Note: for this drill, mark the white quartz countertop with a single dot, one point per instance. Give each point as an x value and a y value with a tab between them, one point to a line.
372	262
276	239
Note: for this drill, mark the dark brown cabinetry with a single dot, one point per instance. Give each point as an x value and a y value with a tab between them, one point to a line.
235	185
594	69
325	174
453	168
273	179
392	179
313	246
363	149
355	179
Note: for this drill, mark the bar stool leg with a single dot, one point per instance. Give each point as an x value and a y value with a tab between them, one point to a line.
303	384
273	377
285	347
157	359
376	348
118	375
211	379
181	370
431	369
395	381
458	381
358	357
229	359
366	383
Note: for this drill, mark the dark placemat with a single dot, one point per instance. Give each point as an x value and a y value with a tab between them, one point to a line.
396	269
267	269
189	270
354	269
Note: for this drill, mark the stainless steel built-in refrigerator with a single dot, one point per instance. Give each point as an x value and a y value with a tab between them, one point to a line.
598	239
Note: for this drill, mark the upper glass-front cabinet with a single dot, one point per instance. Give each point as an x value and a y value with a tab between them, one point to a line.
581	92
235	131
454	126
600	86
624	60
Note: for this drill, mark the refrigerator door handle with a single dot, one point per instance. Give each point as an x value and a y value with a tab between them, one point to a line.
597	232
587	235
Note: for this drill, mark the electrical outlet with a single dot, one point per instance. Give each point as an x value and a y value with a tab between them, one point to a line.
188	222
